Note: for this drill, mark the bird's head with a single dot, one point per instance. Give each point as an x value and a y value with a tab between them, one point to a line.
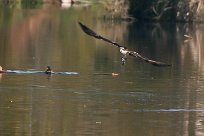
123	48
48	68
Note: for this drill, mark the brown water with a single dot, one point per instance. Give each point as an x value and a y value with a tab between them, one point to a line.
142	100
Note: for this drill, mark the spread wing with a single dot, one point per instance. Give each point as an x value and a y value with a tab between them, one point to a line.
153	62
131	53
94	34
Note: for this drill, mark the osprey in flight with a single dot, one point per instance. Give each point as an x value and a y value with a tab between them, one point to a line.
123	49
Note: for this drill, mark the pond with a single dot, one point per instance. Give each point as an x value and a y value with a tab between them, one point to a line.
141	100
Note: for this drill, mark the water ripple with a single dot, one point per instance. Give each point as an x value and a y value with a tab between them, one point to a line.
169	110
39	72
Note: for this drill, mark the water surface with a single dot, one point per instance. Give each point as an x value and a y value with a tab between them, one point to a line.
142	100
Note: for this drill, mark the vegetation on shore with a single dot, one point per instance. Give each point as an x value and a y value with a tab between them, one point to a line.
158	10
150	10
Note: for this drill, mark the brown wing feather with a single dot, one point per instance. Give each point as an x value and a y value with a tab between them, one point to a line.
131	53
94	34
153	62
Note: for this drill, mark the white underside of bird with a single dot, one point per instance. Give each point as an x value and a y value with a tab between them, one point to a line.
123	51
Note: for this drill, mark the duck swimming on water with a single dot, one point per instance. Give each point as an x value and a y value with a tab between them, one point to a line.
1	70
123	50
48	70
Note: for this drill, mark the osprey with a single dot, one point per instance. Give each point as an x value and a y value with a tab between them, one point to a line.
123	50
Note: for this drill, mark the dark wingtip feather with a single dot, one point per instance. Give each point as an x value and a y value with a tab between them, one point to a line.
157	63
89	31
94	34
161	64
83	27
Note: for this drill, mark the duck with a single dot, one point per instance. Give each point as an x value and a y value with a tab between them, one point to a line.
48	70
1	70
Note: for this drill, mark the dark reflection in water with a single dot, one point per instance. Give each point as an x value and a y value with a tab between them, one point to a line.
142	100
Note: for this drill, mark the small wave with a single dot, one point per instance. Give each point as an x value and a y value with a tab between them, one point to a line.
39	86
169	110
38	72
24	71
66	73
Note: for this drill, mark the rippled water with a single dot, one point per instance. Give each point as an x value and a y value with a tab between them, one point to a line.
141	100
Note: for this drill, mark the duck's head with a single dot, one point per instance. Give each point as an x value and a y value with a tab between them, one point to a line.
48	70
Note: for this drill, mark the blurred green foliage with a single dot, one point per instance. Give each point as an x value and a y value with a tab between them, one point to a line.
21	4
152	9
149	10
159	10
